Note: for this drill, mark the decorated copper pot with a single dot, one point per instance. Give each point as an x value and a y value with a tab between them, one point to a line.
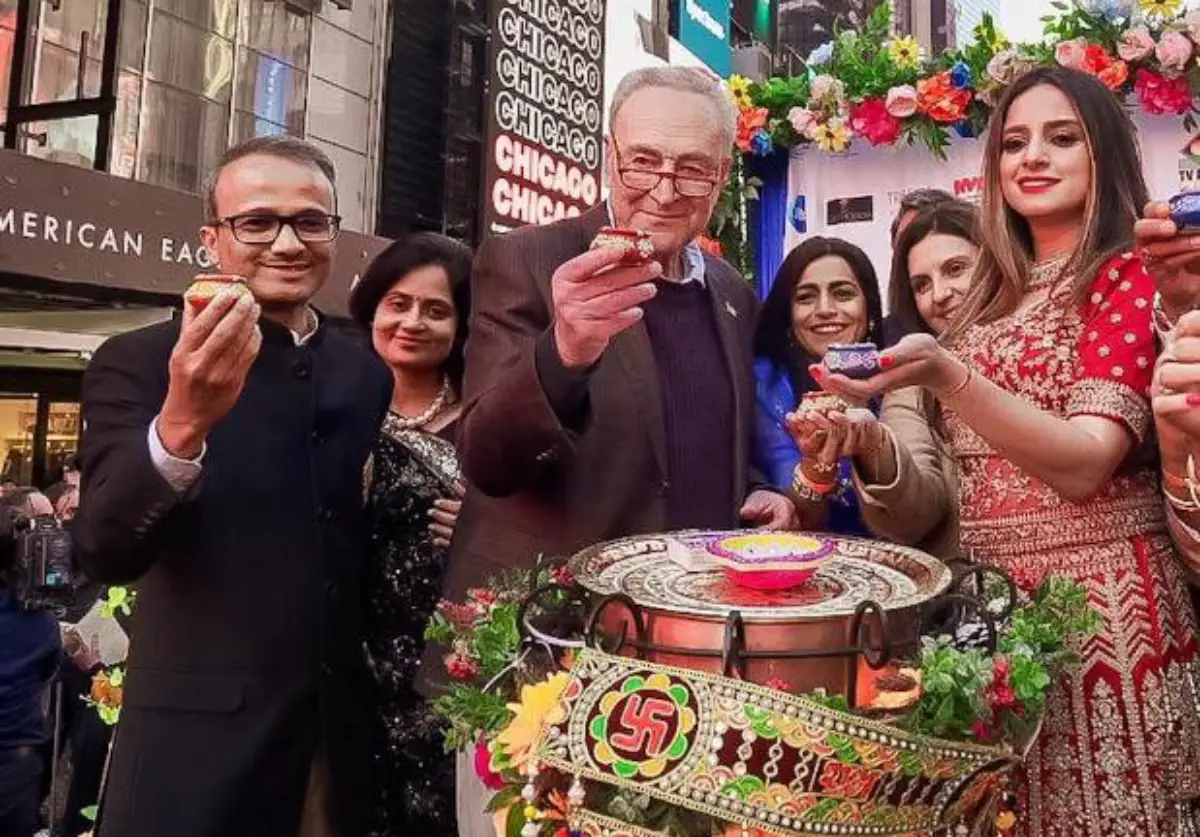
667	599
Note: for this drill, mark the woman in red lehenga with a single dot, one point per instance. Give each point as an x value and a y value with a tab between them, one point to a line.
1042	385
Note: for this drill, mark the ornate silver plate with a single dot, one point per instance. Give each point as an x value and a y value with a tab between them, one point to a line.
673	573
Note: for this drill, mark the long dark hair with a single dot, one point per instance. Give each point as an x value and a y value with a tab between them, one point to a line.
773	338
403	257
1114	203
952	217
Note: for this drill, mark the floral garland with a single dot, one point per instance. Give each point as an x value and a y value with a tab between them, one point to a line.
499	705
871	86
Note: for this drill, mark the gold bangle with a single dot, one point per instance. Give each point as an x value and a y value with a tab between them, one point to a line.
960	387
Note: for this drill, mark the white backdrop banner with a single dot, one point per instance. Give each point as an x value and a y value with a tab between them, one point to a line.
856	195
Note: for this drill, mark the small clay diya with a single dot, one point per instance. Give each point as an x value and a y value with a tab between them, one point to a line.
637	245
1185	211
853	360
771	560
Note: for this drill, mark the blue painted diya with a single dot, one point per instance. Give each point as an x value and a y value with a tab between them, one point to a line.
854	360
1185	211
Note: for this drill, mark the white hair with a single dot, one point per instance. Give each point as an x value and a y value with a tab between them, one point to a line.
686	80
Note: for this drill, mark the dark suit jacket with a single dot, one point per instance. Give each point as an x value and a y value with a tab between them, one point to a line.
540	485
246	658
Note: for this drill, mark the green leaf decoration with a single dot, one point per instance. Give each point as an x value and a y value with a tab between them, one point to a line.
632	685
599	727
910	763
844	749
678	748
503	798
515	821
822	810
625	769
90	812
117	676
679	694
743	787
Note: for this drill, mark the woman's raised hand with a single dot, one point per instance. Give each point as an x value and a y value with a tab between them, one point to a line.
917	360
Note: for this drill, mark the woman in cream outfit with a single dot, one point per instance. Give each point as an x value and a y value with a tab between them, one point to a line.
906	480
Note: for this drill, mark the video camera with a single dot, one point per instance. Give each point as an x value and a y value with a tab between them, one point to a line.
40	573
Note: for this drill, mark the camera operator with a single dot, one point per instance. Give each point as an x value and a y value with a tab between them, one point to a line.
29	655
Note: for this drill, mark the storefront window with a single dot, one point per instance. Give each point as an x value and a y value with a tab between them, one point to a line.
183	138
276	29
8	23
190	58
269	91
18	420
219	16
62	440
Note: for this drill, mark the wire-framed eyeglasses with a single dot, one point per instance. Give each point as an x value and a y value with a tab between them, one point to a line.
264	227
645	180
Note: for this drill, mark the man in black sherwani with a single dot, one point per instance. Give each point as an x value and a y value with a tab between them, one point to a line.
224	460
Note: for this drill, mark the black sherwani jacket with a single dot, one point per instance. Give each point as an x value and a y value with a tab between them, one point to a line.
246	661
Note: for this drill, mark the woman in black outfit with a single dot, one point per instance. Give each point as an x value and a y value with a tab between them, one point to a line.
413	300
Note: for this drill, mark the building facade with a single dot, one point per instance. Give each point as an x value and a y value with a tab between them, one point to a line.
445	166
112	113
969	14
931	22
803	25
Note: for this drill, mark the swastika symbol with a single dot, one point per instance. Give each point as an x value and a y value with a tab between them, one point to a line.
644	718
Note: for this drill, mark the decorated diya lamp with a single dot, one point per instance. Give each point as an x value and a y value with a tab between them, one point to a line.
1185	212
853	360
836	630
205	288
638	247
771	560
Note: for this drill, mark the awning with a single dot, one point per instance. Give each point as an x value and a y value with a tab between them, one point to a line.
66	339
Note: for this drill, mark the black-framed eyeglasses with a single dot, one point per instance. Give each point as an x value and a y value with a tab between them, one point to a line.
646	180
264	227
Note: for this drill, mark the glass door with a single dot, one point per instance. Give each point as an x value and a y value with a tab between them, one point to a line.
18	429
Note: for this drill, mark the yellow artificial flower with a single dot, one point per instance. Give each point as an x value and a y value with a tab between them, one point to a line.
739	88
1163	8
539	707
832	135
905	52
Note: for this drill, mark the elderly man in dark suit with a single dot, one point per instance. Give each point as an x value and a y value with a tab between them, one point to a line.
603	400
223	469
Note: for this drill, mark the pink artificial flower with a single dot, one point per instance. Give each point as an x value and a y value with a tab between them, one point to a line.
1159	95
778	684
459	615
1135	44
482	596
804	122
902	101
461	667
1071	54
827	90
483	767
1173	52
562	576
871	119
1003	66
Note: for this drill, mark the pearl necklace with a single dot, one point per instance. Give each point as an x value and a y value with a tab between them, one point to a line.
1047	273
414	422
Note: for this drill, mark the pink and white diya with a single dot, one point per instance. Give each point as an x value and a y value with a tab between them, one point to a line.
770	560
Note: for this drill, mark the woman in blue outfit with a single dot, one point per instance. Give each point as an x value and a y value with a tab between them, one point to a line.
825	292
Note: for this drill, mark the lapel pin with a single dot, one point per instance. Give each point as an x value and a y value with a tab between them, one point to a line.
732	311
